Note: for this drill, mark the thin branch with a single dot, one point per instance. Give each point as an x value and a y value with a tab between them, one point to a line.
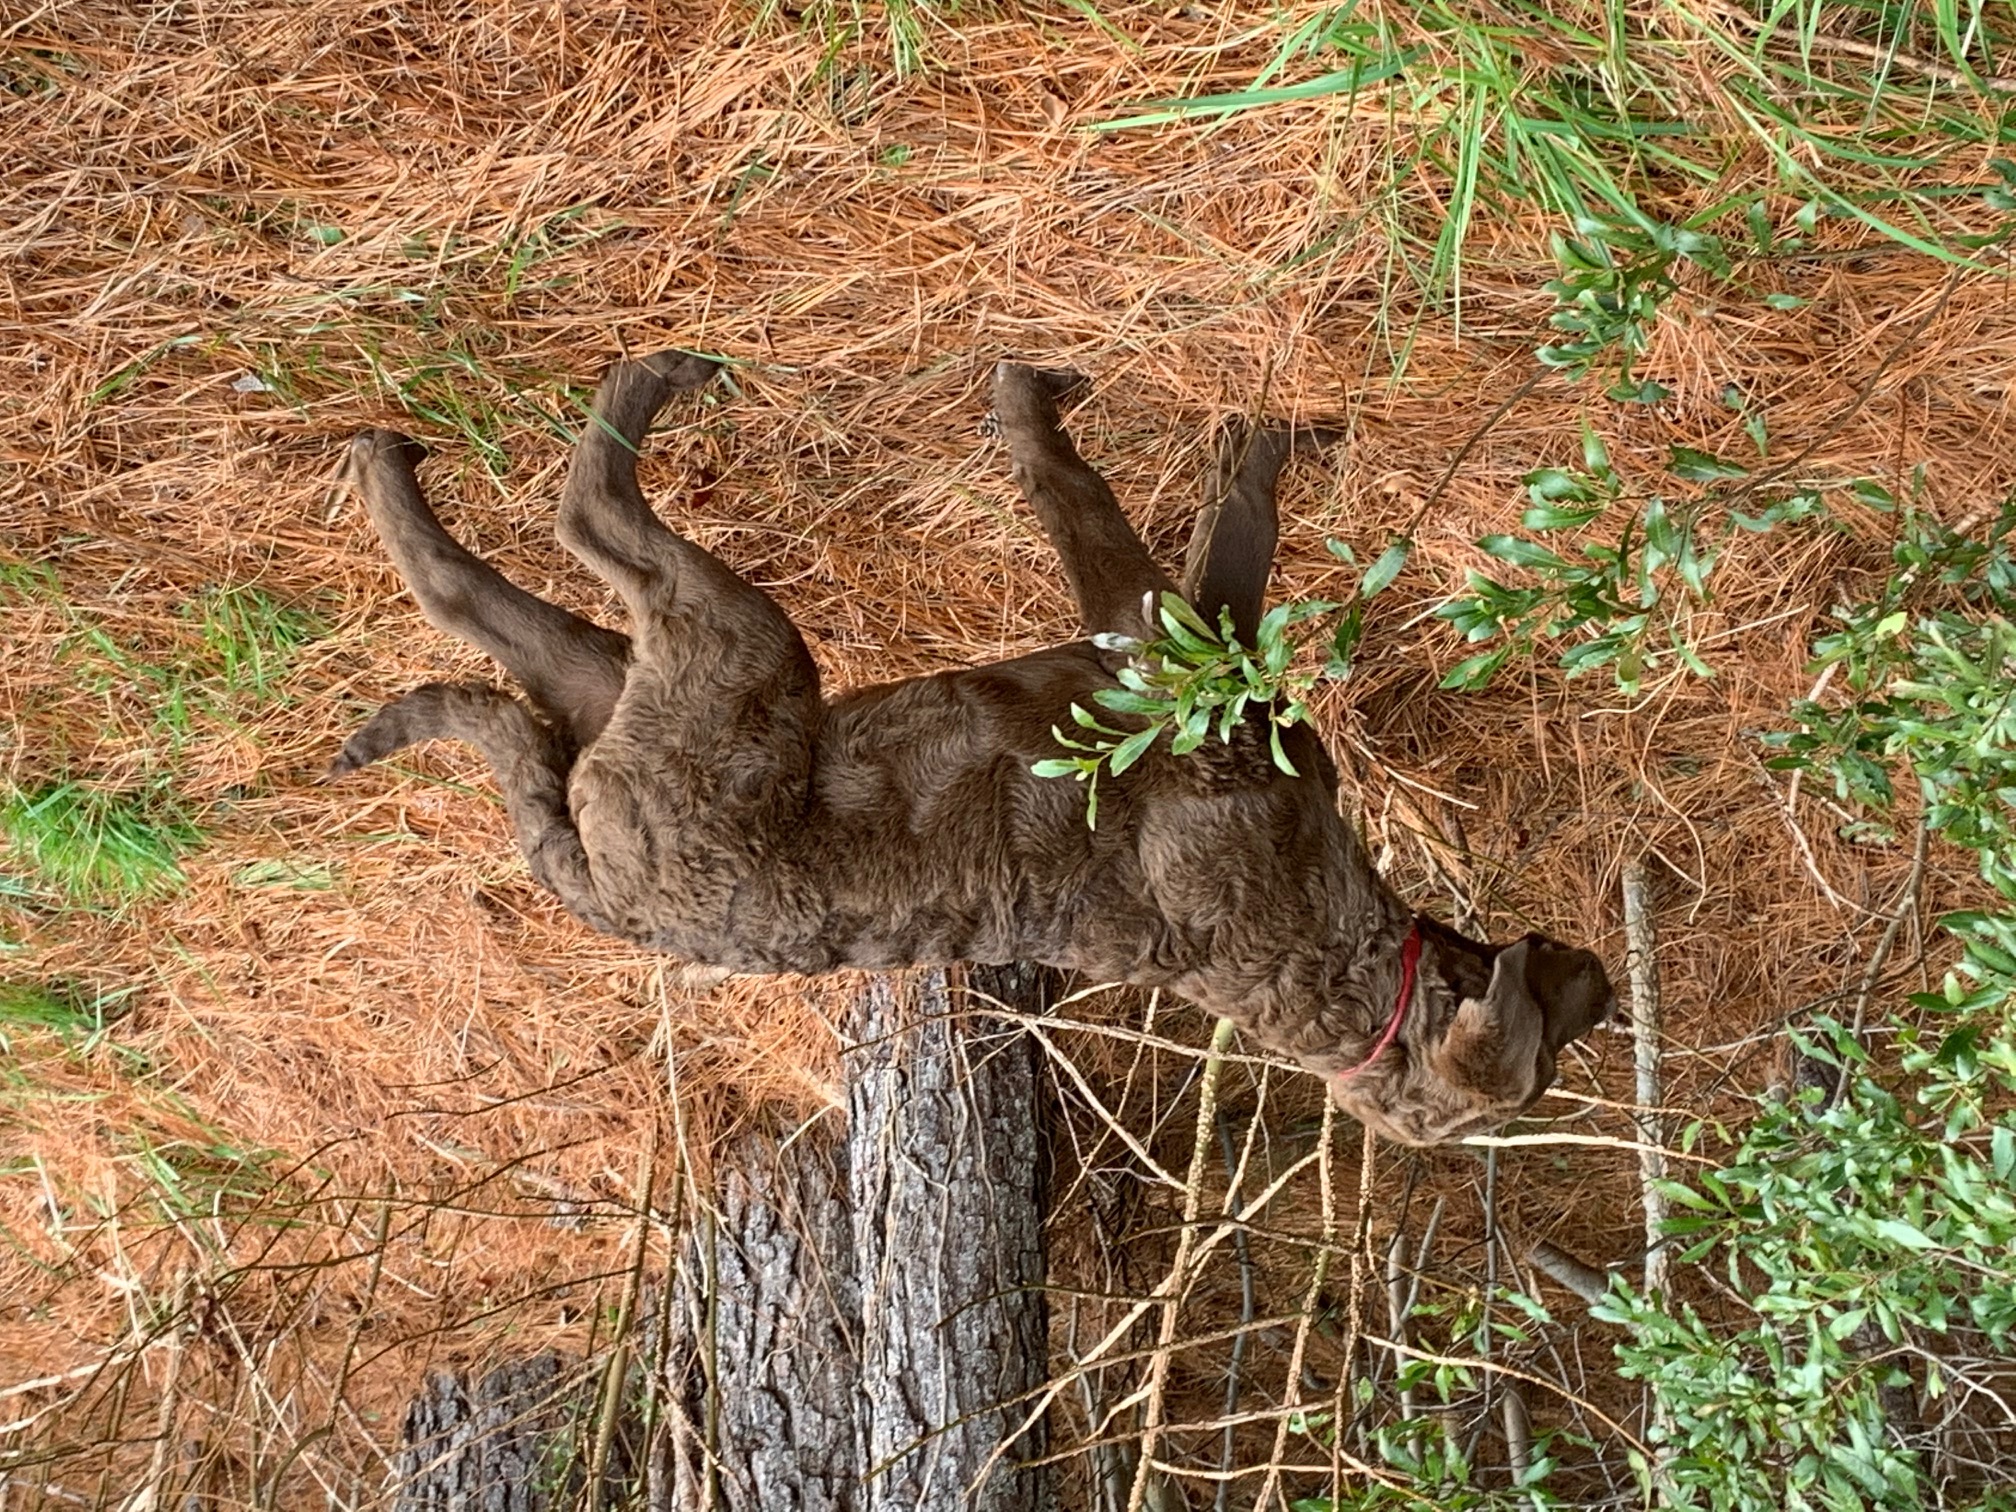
1907	905
1839	420
1179	1267
1641	951
1246	1309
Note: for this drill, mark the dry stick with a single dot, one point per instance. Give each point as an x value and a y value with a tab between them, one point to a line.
1640	949
1590	1283
1361	1256
706	1434
619	1356
1641	946
658	1415
1406	535
164	1417
1292	1394
1583	1141
1042	1397
1516	1420
1571	1271
1246	1309
1854	406
380	1236
1931	68
1791	800
1396	1301
1401	1301
1512	1403
1518	1426
1469	445
1552	1388
1907	905
1112	1471
1193	1198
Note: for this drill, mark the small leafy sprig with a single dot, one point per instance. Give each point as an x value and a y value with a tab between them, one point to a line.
1623	602
1195	680
1931	685
1616	273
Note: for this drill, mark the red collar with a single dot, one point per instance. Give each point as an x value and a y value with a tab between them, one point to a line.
1410	957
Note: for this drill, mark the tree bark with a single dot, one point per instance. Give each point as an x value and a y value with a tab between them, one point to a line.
855	1326
494	1444
945	1171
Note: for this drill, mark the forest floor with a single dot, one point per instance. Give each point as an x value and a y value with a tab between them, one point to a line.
319	1072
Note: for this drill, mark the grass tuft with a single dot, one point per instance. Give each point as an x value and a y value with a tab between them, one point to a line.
66	1010
95	847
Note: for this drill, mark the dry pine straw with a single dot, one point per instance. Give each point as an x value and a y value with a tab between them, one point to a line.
866	250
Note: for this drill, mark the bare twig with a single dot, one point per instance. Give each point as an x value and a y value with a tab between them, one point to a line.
1552	1388
1396	1304
1246	1308
1179	1267
1518	1429
1641	949
1470	444
1642	965
1907	905
1318	1274
1585	1141
1839	420
618	1369
154	1493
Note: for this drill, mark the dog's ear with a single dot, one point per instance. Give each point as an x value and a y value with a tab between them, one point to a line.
1496	1054
1494	1041
1541	994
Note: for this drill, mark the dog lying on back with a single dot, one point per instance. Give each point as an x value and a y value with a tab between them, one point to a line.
688	787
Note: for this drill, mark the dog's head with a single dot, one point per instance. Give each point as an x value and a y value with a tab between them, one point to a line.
1478	1037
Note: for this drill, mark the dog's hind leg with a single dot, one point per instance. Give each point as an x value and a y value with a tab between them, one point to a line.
529	758
571	668
722	703
1232	549
1107	566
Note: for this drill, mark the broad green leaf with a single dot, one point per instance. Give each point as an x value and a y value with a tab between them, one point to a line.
1702	467
1382	572
1132	749
1519	552
1280	756
1558	517
1475	671
1550	485
1897	1231
1661	538
1595	453
1272	623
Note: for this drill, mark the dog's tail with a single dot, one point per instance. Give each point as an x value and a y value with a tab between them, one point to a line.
530	759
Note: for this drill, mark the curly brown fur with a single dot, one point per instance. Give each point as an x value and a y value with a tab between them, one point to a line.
722	809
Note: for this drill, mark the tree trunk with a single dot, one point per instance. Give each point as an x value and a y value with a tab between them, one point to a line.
490	1445
854	1328
945	1171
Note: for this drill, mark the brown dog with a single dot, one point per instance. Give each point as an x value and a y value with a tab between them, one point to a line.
689	788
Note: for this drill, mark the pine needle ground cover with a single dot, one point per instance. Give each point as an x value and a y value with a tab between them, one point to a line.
1673	345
